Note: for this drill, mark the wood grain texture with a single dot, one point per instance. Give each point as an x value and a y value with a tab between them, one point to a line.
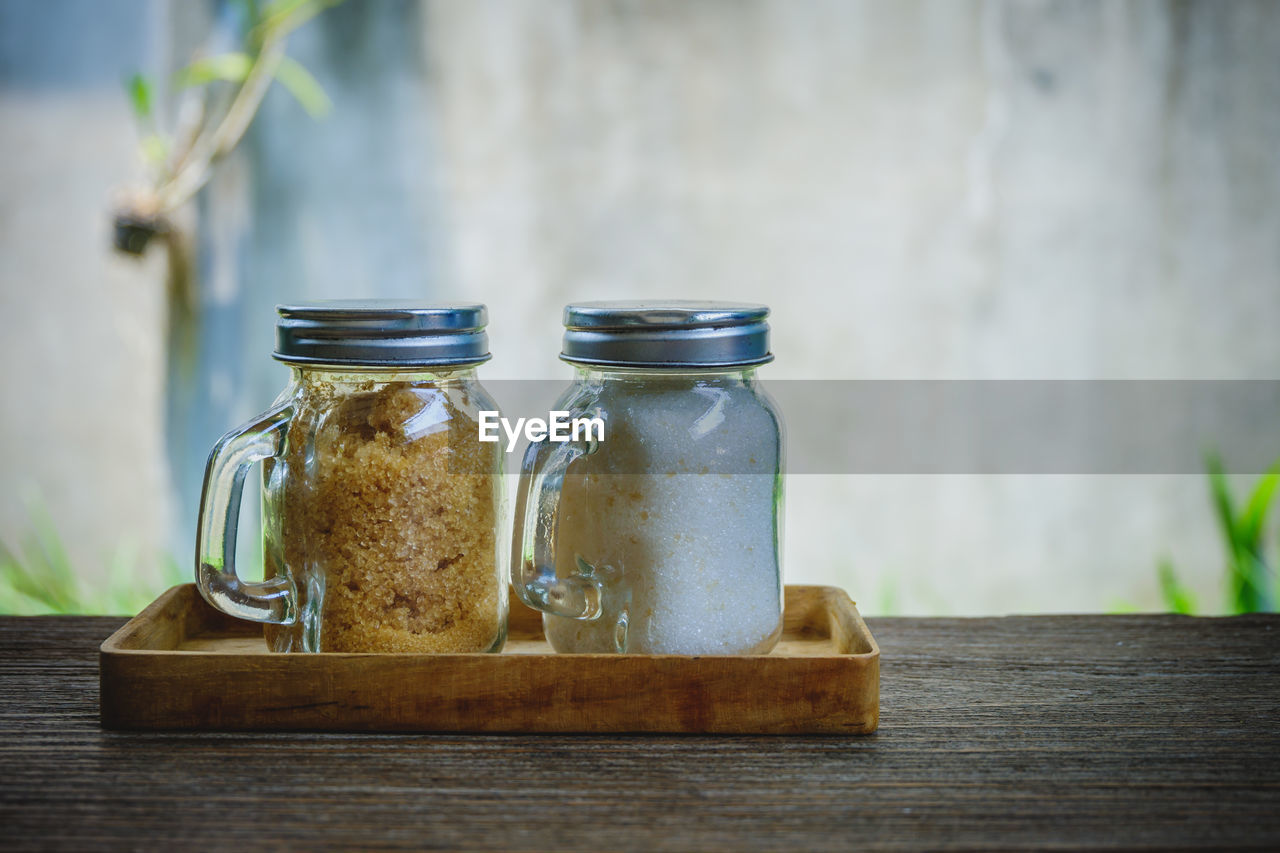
182	665
1103	732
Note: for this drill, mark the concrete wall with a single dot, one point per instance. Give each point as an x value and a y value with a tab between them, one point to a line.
933	190
81	329
938	190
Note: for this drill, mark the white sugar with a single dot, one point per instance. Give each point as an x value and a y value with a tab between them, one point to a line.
677	512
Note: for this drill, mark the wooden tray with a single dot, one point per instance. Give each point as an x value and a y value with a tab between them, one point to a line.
180	664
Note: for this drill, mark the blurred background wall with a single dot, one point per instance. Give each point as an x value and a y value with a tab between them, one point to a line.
978	190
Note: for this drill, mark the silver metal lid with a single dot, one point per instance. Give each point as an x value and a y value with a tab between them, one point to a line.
672	334
381	333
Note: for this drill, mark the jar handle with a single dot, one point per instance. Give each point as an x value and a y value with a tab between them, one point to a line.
577	595
275	599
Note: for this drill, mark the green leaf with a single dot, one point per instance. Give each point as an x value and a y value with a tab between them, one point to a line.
57	578
1255	585
251	11
304	88
277	8
1250	526
1249	577
284	16
1223	506
155	149
18	603
43	578
1176	596
231	67
17	593
139	89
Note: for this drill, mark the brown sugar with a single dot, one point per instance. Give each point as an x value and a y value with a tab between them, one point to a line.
396	516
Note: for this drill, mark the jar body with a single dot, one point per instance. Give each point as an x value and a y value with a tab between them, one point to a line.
677	514
382	511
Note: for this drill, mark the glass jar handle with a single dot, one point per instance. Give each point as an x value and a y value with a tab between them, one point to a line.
273	600
577	595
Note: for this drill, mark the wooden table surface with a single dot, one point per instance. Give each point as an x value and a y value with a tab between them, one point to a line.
1115	732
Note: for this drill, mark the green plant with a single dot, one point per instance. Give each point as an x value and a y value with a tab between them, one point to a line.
212	122
1250	576
1176	596
39	578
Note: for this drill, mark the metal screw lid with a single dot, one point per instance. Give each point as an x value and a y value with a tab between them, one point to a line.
668	334
381	333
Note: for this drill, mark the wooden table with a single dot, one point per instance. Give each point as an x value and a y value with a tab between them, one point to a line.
1025	732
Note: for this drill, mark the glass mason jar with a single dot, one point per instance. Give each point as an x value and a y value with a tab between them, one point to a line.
659	529
380	505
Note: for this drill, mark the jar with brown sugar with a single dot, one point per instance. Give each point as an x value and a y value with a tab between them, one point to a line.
380	503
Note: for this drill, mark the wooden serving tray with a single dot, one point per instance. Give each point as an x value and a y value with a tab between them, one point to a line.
180	664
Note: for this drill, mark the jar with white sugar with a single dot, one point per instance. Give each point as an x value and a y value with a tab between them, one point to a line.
656	527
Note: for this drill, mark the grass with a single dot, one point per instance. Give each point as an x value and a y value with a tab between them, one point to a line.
38	577
1250	575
